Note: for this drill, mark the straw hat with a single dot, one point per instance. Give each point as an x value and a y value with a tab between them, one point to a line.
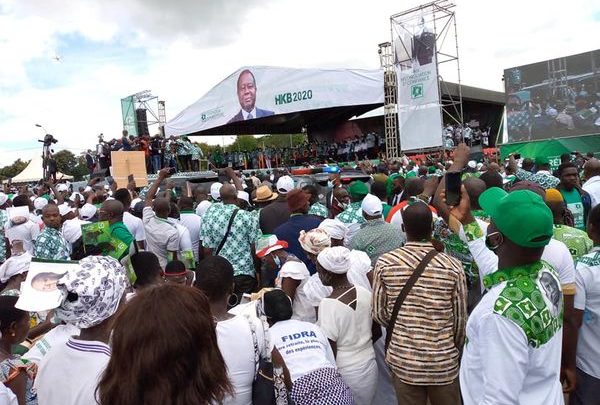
264	194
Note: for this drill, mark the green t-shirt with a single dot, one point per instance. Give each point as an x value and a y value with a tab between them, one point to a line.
575	205
119	230
576	240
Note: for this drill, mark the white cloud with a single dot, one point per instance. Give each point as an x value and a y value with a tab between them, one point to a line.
192	45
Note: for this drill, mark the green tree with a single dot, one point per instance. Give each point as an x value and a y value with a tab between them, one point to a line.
80	170
12	170
244	143
65	161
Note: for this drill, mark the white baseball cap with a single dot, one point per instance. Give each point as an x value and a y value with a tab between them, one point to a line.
285	184
134	202
62	187
39	203
371	205
64	209
87	212
74	196
242	195
215	191
472	164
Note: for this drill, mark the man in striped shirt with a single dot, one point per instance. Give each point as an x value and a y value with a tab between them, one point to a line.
427	338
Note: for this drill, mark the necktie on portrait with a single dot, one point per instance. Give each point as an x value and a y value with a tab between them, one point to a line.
249	116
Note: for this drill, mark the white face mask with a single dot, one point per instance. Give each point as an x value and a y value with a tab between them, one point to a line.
277	261
330	184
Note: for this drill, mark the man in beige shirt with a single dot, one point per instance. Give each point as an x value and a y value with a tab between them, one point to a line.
429	333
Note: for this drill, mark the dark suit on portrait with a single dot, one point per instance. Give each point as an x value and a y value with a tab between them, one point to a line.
259	114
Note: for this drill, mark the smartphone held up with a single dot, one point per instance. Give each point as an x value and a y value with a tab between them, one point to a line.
453	184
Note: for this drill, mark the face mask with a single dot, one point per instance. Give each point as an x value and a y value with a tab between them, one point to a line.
329	183
277	261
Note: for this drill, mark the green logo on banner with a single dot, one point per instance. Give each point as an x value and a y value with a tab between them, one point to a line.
416	91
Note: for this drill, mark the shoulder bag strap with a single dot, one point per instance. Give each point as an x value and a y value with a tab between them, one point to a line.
404	293
233	214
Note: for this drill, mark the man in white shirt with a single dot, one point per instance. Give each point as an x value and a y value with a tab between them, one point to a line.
133	224
587	315
557	255
514	335
591	172
26	231
162	237
189	219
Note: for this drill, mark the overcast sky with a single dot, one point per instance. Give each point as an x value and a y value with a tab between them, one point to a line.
179	49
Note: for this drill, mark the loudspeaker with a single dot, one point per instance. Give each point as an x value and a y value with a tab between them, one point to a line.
142	122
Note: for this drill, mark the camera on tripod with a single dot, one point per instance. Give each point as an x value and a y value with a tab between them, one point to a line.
49	140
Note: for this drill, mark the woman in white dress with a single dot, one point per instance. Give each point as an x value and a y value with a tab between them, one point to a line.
345	318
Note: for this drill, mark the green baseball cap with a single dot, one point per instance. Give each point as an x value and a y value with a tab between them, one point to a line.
522	216
358	189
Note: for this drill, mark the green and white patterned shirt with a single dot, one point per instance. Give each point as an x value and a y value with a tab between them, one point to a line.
577	241
319	210
243	234
51	245
377	237
545	180
352	214
3	223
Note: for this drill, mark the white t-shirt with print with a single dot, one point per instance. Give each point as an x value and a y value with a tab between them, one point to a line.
303	346
56	337
587	299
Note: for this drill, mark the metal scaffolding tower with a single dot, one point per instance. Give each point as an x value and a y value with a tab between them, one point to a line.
390	88
441	16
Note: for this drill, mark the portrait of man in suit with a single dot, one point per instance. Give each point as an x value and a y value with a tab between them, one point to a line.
246	92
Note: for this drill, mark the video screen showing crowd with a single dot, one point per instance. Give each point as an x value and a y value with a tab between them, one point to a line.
442	280
553	99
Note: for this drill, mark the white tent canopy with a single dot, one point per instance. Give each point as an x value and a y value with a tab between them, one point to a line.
279	100
35	171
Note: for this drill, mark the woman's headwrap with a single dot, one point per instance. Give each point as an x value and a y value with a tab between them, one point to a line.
335	259
314	241
97	287
335	228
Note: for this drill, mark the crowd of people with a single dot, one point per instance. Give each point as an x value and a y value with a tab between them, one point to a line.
257	291
176	152
542	117
471	135
182	155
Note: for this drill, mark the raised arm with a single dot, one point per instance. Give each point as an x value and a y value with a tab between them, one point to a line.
163	174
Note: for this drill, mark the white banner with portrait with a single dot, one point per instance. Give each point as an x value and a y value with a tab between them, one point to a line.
260	91
419	108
